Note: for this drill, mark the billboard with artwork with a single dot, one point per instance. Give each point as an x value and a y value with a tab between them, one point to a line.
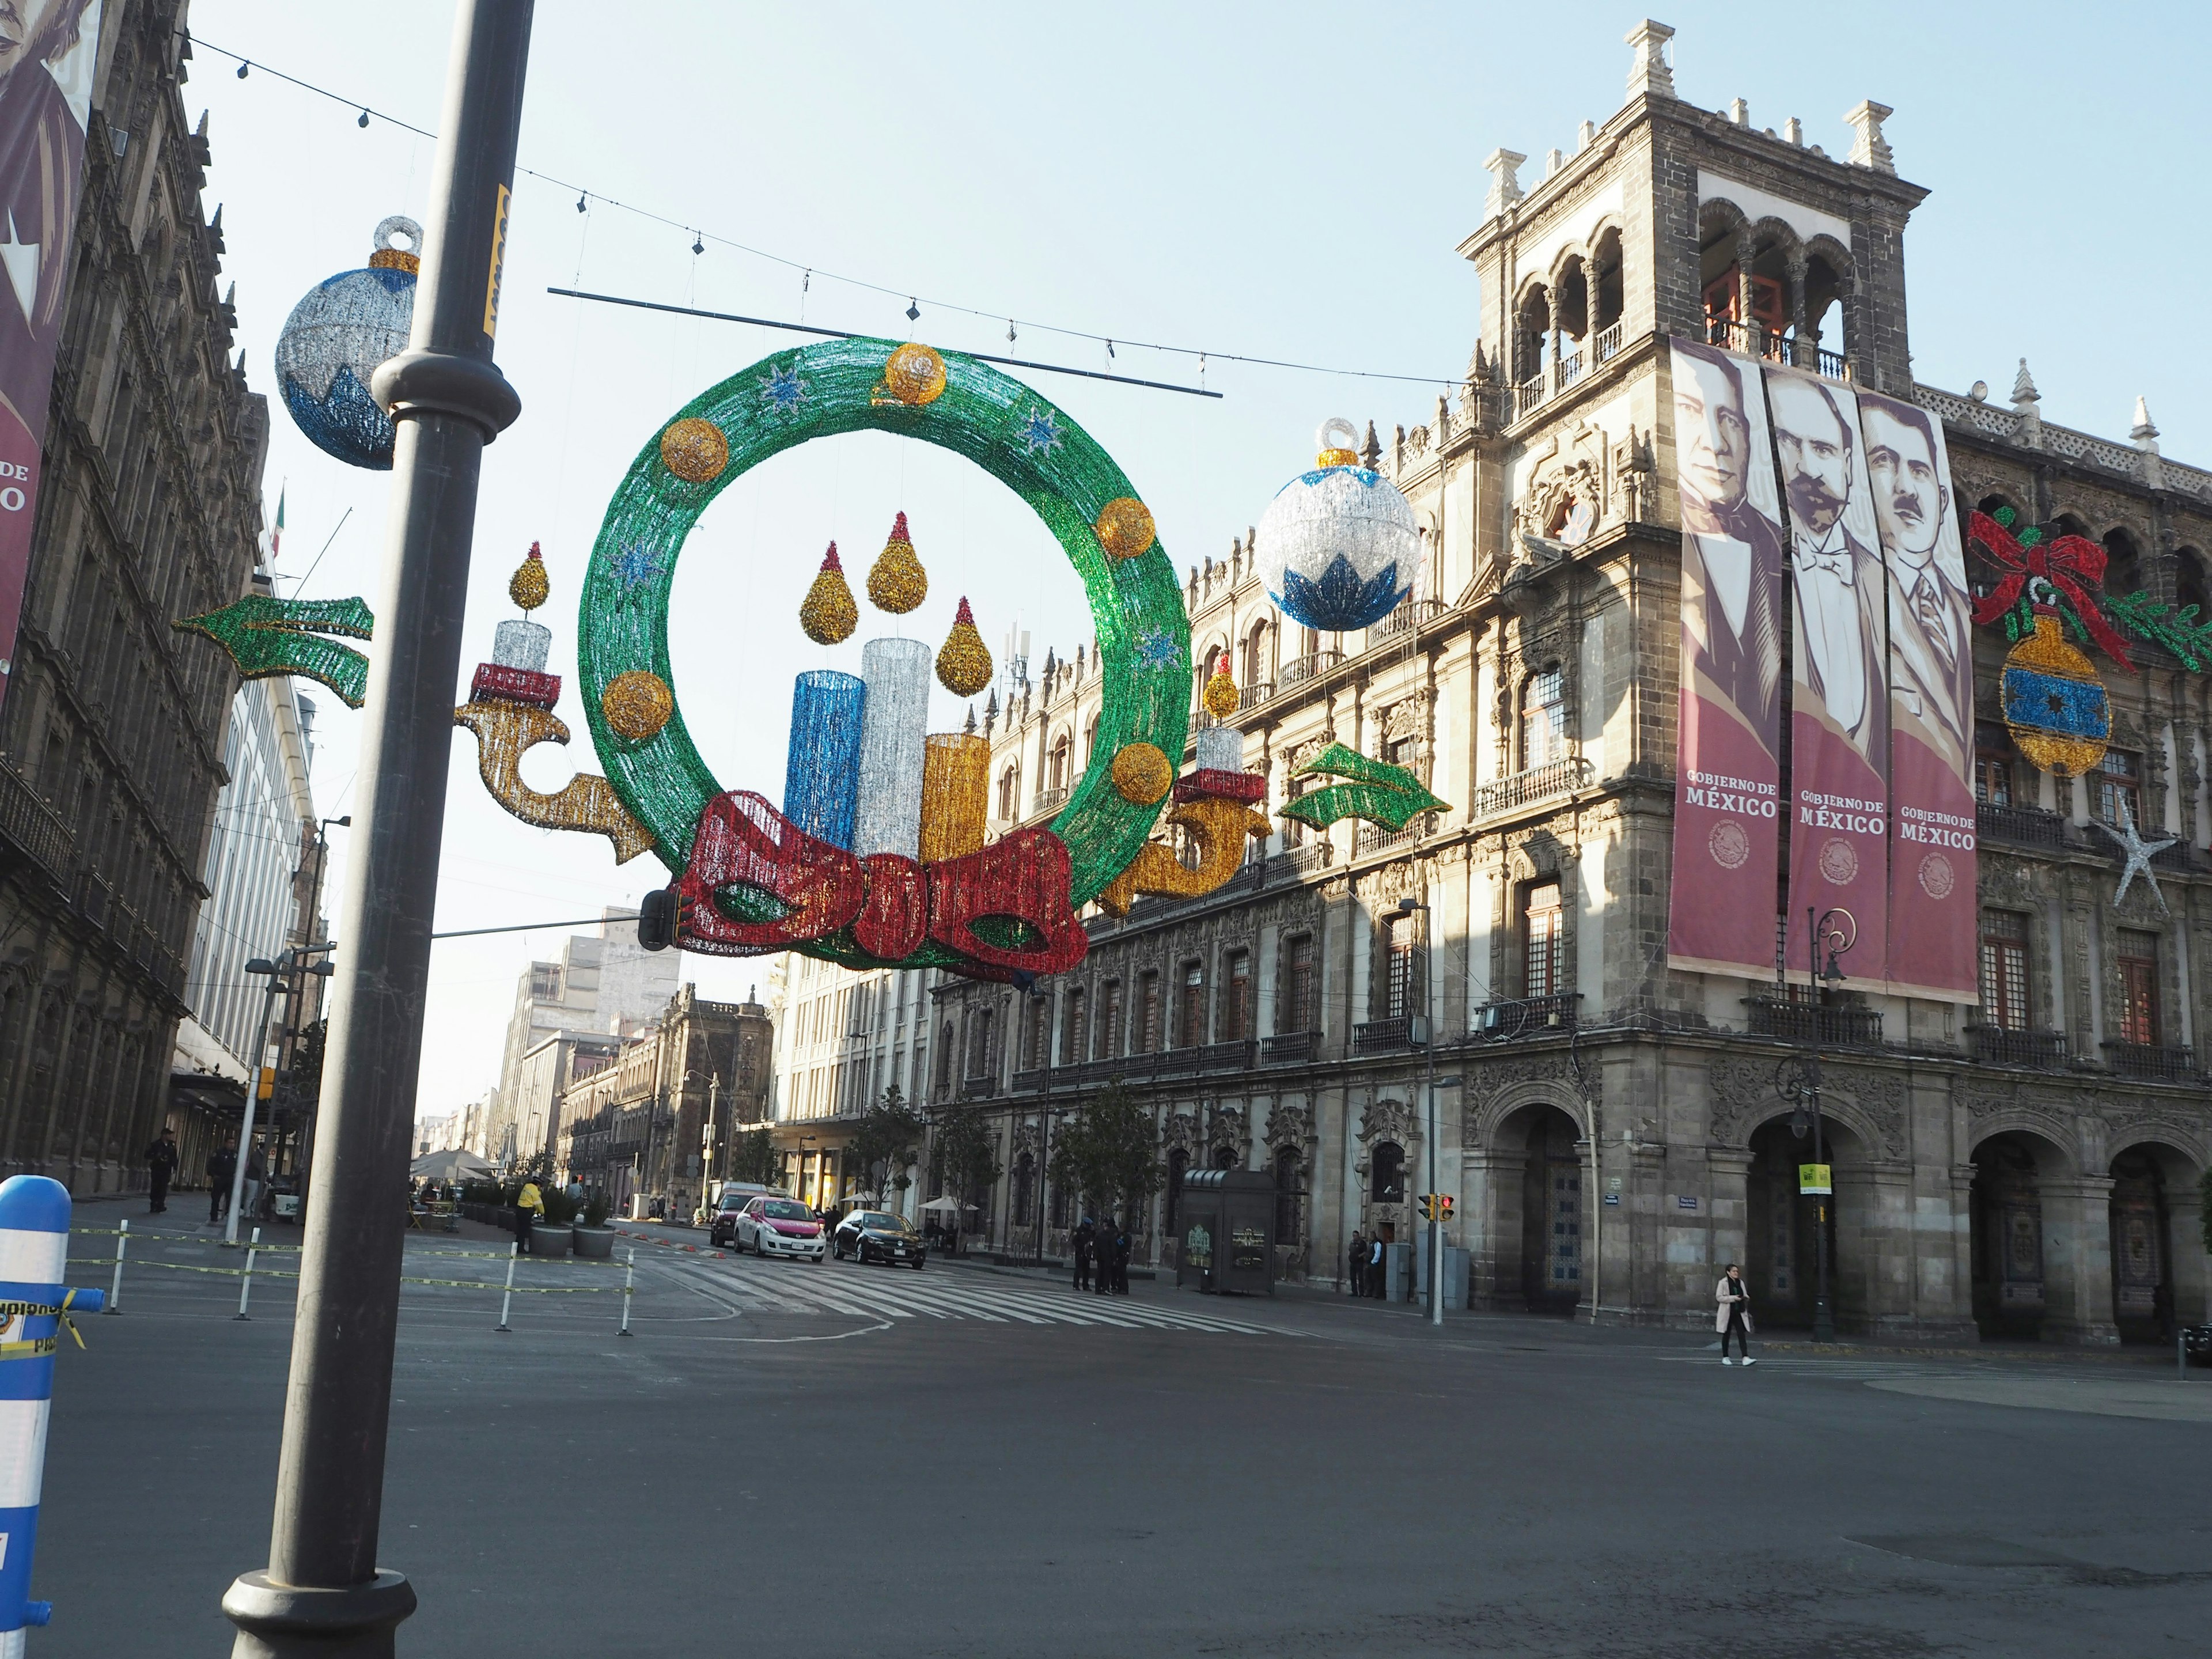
47	54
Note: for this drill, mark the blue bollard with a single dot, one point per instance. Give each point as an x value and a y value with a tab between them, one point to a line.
35	1220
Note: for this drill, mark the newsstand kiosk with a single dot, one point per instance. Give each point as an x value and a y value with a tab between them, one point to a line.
1228	1223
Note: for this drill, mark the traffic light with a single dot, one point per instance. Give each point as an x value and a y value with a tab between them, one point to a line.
659	921
1436	1207
1443	1206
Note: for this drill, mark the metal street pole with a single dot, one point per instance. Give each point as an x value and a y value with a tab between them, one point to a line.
1823	1323
323	1593
275	970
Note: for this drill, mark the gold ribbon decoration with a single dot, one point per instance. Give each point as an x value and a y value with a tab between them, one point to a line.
1220	825
508	730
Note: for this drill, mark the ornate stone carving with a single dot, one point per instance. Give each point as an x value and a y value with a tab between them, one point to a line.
1291	1127
1742	1093
1180	1133
1225	1127
1388	1120
1880	1099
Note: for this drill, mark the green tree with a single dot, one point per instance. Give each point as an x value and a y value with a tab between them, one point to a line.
963	1154
752	1157
1109	1152
887	1141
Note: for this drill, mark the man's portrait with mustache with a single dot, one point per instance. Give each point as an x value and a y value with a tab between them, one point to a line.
41	153
1838	578
1931	659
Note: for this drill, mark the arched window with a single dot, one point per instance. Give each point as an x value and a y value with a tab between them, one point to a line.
1057	777
1178	1161
1073	1029
1543	717
1290	1196
979	1043
944	1056
1090	742
1024	1188
1010	791
1386	1182
2123	569
2191	584
1257	668
1533	327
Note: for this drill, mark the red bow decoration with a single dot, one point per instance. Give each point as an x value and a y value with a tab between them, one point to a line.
806	889
2074	565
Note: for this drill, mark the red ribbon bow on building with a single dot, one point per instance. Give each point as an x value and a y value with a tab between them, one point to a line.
2074	565
805	889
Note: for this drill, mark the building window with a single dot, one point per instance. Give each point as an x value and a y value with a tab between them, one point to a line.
1148	1014
2004	969
1543	718
1294	1008
1178	1161
1401	994
1058	1207
1236	997
1992	765
2117	788
979	1043
1190	1011
1024	1187
1091	741
2138	959
1040	1024
1109	1021
1059	774
1073	1031
1290	1196
1387	1173
1256	655
1010	793
1543	926
944	1056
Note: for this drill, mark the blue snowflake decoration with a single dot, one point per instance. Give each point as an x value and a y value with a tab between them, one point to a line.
783	390
635	564
1156	649
1038	431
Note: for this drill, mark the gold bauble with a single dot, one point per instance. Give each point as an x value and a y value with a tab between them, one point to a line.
1220	697
1124	527
1141	773
828	614
896	582
528	587
915	374
695	451
963	661
637	704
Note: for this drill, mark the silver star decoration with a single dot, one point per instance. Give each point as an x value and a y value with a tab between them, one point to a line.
2138	853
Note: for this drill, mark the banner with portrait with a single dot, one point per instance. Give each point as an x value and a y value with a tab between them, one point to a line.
1839	672
1932	936
1728	771
45	98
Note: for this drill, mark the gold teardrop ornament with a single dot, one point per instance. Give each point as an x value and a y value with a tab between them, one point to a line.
963	662
1220	697
528	587
897	583
827	613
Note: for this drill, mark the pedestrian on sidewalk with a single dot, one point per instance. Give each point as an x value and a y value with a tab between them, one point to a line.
1082	1247
1377	1257
1732	1314
1102	1279
257	1175
222	1169
529	1207
1355	1264
160	1164
1120	1259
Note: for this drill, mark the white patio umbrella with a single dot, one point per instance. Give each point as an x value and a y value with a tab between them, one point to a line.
942	1205
450	1165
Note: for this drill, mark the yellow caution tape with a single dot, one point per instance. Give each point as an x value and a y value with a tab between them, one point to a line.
462	1284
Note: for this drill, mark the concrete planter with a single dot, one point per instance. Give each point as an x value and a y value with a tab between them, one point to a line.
548	1240
597	1243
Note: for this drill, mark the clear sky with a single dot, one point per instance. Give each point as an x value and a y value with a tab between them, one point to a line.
1285	180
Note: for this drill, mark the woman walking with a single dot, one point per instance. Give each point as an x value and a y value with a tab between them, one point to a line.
1732	1314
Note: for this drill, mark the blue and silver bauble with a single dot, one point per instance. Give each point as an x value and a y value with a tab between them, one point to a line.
1338	548
334	340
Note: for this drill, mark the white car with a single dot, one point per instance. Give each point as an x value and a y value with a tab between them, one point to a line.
780	1226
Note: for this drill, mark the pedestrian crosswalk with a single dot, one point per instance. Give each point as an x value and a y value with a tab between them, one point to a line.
890	1293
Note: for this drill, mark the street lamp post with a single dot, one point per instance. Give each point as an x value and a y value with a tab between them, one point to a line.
1834	931
1408	907
279	974
322	1592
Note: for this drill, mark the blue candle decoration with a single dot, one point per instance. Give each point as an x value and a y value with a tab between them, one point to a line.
821	773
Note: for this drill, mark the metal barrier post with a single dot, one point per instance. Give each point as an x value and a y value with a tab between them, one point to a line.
115	1295
246	1284
629	1276
34	1221
507	1296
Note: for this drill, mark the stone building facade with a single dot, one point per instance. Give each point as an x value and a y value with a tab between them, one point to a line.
1611	1127
112	735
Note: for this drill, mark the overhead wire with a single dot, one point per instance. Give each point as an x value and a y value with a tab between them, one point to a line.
809	270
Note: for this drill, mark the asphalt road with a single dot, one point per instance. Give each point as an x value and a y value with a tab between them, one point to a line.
794	1458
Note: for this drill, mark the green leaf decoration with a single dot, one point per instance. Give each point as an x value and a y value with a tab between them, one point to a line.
2178	631
267	636
2005	516
1391	796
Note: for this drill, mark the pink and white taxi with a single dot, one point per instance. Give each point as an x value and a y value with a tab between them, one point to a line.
780	1226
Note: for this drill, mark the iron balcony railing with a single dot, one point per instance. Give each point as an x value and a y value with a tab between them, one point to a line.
1410	617
1841	1026
35	828
1383	1036
1299	670
1502	1022
1558	777
2039	1050
1377	838
2153	1062
1289	1048
2020	826
1760	341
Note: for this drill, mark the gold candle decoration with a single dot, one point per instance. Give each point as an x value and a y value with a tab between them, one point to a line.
955	791
695	451
897	583
1221	698
528	587
963	662
637	704
1124	527
827	613
1141	773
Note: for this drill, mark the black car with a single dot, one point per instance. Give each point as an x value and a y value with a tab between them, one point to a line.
875	1236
